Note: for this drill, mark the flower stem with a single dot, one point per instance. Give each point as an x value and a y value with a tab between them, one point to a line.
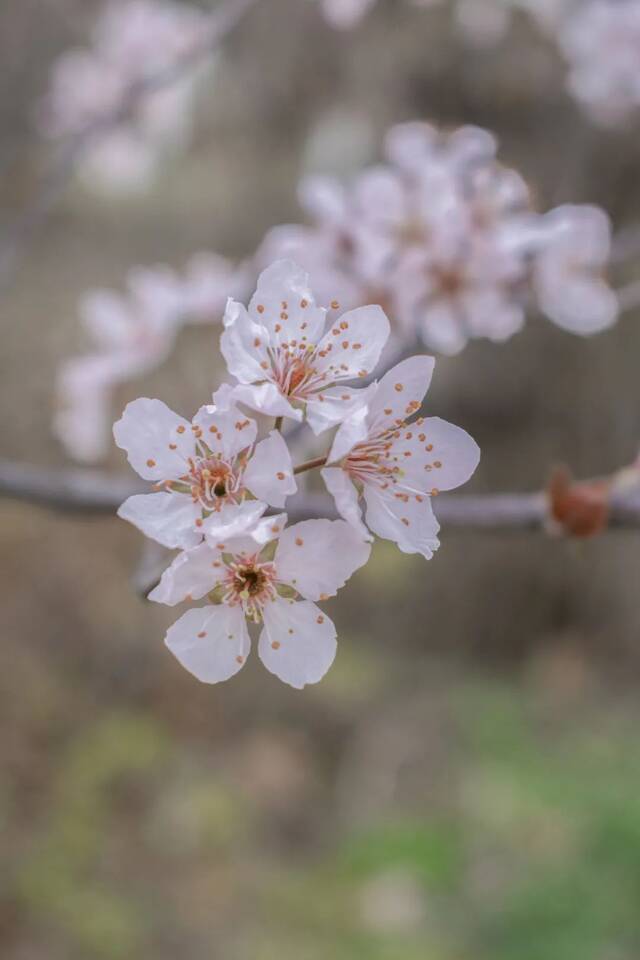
278	424
310	465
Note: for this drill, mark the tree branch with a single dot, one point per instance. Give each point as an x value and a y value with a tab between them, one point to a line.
96	492
221	22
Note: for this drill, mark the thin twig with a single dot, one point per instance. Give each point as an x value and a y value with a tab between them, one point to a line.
310	465
56	178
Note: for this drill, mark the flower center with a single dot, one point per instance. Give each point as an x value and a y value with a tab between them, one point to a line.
372	460
250	579
213	483
250	583
294	371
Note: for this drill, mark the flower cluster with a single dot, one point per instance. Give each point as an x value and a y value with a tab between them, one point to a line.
215	482
131	41
442	237
447	239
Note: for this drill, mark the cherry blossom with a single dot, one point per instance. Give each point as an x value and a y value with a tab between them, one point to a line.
131	40
601	41
246	580
285	363
397	464
568	274
214	479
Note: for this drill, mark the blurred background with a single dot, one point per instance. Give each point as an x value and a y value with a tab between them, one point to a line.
464	783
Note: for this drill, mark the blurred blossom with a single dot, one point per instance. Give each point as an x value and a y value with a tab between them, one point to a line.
131	41
131	334
445	239
568	273
601	41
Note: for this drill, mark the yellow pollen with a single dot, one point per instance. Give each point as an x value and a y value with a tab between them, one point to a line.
180	429
304	303
151	463
299	541
277	328
260	308
202	634
257	342
275	645
173	446
398	387
335	305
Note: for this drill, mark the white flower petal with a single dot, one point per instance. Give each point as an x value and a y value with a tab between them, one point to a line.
334	405
156	440
284	304
352	431
269	473
266	398
168	518
317	557
446	458
227	432
412	525
244	345
212	643
191	575
400	392
265	530
353	350
232	521
346	498
298	642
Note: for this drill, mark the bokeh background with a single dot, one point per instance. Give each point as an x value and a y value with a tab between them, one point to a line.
465	782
